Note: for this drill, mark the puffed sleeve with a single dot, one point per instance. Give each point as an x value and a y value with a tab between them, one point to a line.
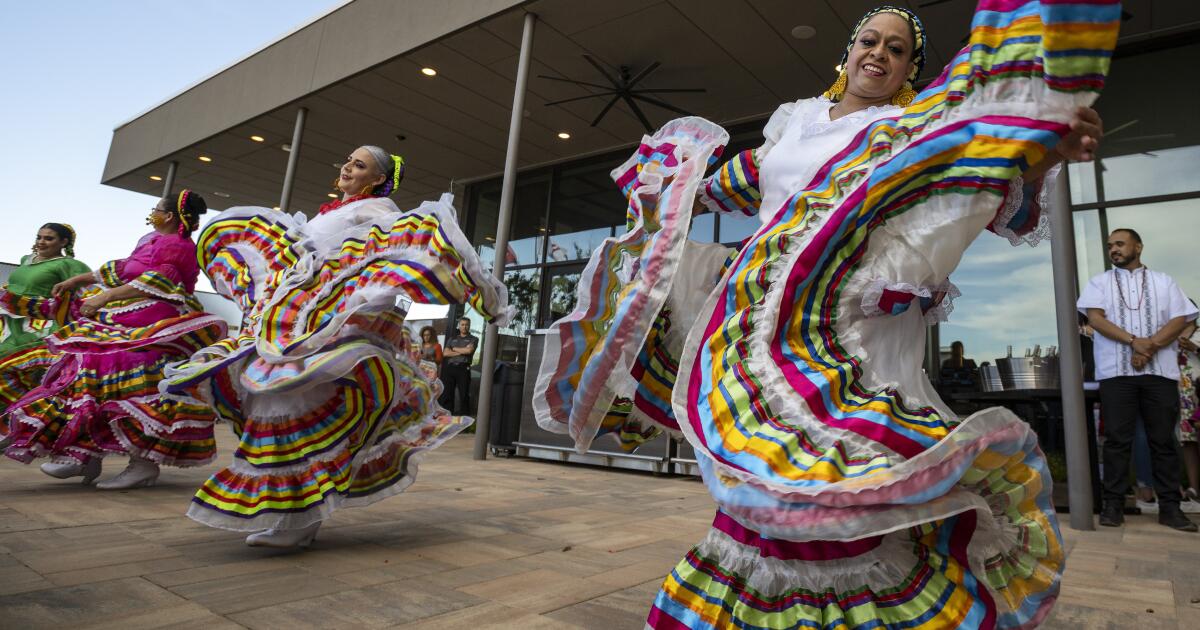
171	271
109	274
734	185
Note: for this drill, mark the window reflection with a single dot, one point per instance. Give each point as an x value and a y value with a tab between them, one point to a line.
1089	245
528	228
736	228
1082	176
1170	231
586	205
562	284
1158	172
1005	291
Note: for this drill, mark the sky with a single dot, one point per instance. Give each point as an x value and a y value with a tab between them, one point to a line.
73	70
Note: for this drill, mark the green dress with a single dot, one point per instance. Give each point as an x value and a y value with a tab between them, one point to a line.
23	354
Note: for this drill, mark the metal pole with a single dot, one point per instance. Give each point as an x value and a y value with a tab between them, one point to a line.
169	181
507	192
1070	363
289	177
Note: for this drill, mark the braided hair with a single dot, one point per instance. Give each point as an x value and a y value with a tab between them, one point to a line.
66	233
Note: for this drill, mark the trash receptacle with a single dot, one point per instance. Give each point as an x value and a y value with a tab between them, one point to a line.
505	423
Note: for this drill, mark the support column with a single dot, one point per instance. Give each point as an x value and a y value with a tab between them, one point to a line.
507	192
1070	363
169	180
289	177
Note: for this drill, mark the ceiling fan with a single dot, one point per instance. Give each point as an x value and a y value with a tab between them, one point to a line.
623	87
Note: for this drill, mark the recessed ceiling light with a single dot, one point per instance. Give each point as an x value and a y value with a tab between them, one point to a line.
429	72
287	148
564	135
804	31
257	138
155	178
275	208
205	158
489	238
334	195
221	194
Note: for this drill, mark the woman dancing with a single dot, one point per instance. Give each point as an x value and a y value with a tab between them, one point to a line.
23	325
330	409
100	395
849	494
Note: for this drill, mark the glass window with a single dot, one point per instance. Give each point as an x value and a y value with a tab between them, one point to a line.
527	233
1005	291
1089	245
1082	177
524	286
735	228
1170	232
585	207
562	284
1158	172
703	226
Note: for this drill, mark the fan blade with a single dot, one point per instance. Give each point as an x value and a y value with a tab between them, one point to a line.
579	98
643	74
662	104
595	85
605	110
672	91
638	112
604	71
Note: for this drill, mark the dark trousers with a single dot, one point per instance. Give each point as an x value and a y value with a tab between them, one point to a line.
1156	400
456	378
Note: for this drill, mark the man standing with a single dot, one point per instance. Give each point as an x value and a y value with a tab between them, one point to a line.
1138	314
456	368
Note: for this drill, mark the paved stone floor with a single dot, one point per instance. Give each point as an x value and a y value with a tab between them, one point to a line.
506	543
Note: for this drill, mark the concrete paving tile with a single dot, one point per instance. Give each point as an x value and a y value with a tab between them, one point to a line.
467	553
626	608
168	579
55	561
1069	616
71	577
538	591
76	606
491	616
372	607
228	595
18	578
184	616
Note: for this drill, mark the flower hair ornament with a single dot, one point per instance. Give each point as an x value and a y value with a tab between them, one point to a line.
905	95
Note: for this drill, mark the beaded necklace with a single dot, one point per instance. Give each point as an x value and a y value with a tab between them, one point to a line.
1121	291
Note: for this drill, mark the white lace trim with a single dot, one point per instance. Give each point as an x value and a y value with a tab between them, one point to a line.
939	313
1012	205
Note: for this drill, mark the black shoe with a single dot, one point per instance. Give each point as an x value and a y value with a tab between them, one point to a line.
1113	515
1176	519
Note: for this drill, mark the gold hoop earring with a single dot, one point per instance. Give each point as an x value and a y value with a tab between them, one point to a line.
366	190
336	181
835	91
905	96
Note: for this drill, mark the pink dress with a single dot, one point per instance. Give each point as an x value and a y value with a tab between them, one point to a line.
101	393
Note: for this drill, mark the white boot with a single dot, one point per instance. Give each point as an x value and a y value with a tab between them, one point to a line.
88	471
285	538
140	473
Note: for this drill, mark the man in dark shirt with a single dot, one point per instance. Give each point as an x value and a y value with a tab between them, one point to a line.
456	368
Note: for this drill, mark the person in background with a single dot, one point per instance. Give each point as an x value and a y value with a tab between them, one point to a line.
1138	314
431	350
24	356
1189	416
456	368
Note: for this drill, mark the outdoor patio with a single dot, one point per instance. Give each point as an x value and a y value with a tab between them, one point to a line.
503	543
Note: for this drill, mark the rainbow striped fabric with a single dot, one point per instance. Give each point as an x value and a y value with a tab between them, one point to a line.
588	365
328	407
794	445
843	503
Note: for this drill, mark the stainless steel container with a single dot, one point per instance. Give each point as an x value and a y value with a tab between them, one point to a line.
1029	372
989	378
